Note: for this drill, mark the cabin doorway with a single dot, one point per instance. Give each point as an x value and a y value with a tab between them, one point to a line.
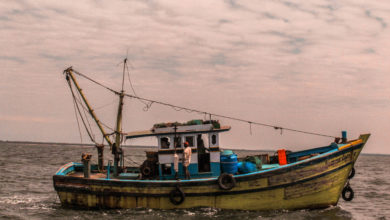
203	154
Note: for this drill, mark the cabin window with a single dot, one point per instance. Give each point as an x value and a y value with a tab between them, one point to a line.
178	142
164	143
166	169
213	139
190	141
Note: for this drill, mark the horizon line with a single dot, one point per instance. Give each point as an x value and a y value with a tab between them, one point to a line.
143	146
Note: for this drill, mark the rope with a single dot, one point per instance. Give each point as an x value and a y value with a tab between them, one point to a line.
105	105
77	119
78	109
106	126
179	108
85	114
147	105
85	109
131	160
97	83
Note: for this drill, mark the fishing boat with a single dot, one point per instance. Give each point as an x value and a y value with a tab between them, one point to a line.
312	178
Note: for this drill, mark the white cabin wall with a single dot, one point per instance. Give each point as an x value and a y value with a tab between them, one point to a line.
168	158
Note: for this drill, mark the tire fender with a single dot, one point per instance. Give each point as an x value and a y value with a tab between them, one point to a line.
352	173
226	181
347	193
174	194
146	171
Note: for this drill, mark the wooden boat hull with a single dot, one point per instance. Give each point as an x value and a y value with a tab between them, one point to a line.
313	183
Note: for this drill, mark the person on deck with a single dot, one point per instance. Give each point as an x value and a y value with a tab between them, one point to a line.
187	159
201	148
203	165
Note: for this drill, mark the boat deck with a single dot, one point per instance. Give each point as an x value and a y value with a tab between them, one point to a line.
97	175
92	175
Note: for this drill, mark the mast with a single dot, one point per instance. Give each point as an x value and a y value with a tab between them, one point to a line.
118	151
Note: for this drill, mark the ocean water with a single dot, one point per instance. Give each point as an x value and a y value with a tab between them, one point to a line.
26	189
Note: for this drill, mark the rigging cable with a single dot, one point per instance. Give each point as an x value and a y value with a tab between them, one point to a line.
85	109
179	108
77	119
131	160
147	105
231	118
94	81
85	115
105	105
75	111
78	109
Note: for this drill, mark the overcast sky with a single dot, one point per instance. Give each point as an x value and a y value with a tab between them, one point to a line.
319	66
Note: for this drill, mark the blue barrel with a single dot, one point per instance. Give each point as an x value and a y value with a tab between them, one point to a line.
343	137
246	167
344	134
229	162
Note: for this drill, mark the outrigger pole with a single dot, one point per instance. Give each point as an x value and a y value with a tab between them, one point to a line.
100	148
115	147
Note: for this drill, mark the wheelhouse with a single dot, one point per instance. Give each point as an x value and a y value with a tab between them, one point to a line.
203	140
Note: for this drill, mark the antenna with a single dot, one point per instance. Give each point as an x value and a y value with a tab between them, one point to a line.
124	69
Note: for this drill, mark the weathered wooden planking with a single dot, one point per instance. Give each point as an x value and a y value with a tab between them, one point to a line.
313	184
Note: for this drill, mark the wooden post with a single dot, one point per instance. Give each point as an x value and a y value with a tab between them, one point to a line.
100	150
86	159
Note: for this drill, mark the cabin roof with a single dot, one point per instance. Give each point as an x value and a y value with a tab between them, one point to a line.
148	133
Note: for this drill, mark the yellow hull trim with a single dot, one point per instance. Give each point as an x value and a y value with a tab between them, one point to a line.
319	193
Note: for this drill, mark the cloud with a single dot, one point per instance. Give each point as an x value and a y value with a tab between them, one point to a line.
247	58
27	119
379	19
52	57
11	58
295	44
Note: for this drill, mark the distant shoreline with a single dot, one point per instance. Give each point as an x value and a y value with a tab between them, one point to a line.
81	144
141	146
70	144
